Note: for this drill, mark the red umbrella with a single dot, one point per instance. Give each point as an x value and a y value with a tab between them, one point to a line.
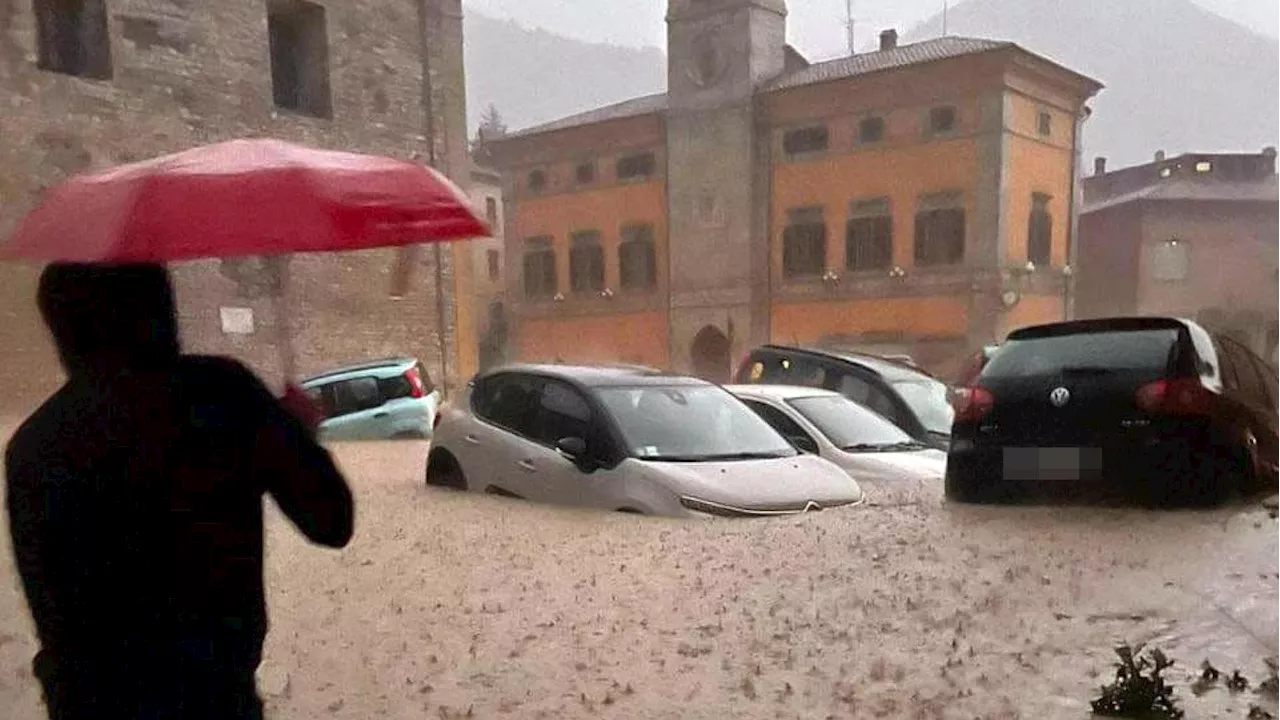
243	198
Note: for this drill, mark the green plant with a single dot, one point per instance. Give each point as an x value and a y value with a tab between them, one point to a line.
1139	691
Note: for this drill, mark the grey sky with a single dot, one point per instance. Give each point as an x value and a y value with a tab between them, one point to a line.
816	27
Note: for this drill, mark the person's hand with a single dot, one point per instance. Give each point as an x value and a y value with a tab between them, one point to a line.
297	401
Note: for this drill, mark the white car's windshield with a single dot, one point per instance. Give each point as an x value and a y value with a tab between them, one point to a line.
690	423
928	400
850	426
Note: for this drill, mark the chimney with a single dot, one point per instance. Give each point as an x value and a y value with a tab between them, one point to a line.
1269	155
1159	156
1099	166
888	40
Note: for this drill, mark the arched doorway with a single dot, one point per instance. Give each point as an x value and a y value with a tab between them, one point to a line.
710	352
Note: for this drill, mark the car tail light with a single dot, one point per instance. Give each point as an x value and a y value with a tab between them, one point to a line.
415	383
1183	397
972	404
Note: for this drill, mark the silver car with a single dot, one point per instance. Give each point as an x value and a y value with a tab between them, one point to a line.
887	463
625	439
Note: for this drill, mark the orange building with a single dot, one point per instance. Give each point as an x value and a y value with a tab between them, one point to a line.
918	199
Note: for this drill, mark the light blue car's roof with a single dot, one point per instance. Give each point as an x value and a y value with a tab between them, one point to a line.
386	368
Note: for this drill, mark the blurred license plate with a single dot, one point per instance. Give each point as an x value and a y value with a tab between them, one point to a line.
1052	463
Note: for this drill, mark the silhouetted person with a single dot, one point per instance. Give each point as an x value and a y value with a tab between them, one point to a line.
135	505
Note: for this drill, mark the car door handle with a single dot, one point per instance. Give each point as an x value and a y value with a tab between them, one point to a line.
527	466
472	439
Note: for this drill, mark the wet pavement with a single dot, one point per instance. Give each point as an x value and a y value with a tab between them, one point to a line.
449	604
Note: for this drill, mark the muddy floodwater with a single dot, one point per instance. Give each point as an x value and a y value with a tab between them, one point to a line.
449	605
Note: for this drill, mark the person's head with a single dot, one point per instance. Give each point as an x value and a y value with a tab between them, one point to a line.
109	318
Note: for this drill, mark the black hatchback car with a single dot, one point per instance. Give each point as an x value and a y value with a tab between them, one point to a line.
908	397
1150	409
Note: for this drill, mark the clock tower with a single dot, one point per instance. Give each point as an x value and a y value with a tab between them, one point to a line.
719	52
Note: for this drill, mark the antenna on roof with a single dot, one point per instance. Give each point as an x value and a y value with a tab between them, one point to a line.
944	17
848	14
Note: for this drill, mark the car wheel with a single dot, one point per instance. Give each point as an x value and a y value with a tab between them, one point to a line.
443	471
975	492
1210	481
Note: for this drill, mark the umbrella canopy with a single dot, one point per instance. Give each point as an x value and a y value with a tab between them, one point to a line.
243	198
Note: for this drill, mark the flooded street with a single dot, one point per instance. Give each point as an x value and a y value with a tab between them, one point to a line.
450	605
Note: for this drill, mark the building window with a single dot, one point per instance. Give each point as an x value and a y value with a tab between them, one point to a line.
539	268
1170	260
637	258
1204	166
942	120
1166	171
586	262
1044	124
1040	231
636	166
299	44
939	234
585	173
804	243
871	130
495	264
805	140
491	211
537	181
73	39
868	236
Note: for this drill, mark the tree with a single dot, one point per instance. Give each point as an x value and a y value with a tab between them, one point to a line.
491	127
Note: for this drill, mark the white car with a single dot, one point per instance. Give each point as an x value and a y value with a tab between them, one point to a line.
625	439
887	463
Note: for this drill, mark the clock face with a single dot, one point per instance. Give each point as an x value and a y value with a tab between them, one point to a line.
707	60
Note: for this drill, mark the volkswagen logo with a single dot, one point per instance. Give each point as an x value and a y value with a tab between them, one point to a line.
1060	397
812	506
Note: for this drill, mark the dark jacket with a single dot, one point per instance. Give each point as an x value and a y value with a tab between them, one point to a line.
135	507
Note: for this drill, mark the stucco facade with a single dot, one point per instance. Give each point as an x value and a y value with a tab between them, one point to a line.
881	199
164	75
1192	236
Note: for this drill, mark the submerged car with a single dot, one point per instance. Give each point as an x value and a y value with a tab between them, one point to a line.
886	462
390	399
625	439
911	399
1152	409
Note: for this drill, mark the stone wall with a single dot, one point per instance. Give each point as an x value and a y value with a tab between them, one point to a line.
185	73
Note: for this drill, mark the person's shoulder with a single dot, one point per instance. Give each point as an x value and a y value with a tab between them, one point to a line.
37	432
224	378
217	367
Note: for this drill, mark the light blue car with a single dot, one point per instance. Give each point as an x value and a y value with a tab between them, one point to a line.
382	400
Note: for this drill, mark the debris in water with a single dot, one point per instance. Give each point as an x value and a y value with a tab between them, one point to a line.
1257	713
1139	690
1209	676
1237	682
1270	686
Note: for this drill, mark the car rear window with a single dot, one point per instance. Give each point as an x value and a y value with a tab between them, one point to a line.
1152	350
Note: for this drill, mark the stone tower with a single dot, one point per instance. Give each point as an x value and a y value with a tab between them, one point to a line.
719	52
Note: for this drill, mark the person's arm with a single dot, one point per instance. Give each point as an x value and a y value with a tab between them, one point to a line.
28	530
298	473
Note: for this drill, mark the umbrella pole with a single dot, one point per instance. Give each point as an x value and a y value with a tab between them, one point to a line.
284	334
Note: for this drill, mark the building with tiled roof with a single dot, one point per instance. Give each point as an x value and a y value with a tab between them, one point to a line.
1193	235
894	198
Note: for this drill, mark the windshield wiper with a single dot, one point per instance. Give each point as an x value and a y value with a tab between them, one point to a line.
750	456
716	458
885	447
